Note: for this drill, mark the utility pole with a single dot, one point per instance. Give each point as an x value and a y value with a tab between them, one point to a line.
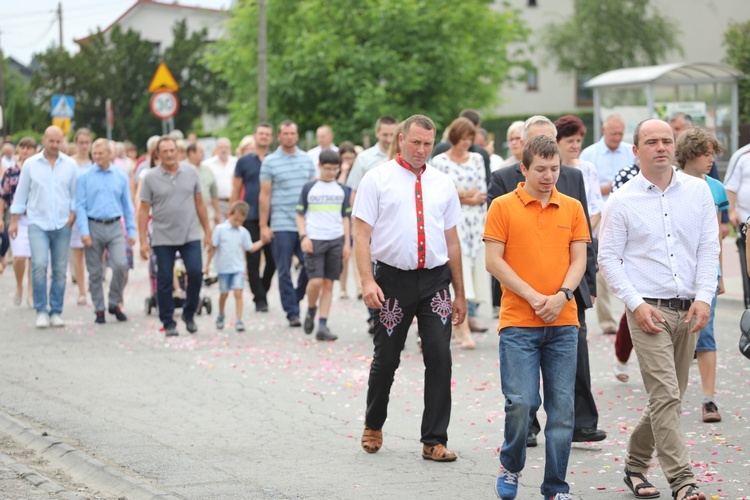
59	21
262	69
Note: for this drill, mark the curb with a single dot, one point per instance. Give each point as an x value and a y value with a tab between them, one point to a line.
80	466
35	479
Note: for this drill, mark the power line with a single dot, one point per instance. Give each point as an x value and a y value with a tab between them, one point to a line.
27	14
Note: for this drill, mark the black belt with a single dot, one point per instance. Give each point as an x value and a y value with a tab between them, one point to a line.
105	221
673	304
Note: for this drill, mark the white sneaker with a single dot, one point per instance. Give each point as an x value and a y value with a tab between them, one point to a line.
622	372
42	320
56	320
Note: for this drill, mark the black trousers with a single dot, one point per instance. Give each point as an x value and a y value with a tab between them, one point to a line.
422	293
743	270
258	285
587	415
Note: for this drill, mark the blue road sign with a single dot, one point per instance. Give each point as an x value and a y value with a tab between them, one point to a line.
63	106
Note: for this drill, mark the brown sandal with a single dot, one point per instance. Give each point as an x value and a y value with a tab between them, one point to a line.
438	453
372	440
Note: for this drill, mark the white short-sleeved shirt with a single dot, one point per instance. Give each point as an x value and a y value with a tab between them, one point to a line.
738	181
387	201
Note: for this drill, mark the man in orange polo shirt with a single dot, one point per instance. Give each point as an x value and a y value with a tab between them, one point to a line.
536	241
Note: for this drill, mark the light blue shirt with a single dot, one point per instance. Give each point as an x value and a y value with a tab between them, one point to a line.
288	174
231	243
44	193
103	194
607	162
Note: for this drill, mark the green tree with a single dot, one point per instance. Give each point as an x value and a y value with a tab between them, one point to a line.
737	42
119	66
603	35
345	63
200	90
21	113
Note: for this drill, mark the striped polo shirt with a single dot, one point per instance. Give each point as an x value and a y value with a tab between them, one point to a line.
288	173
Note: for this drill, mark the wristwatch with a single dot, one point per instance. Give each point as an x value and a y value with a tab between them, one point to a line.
302	237
568	293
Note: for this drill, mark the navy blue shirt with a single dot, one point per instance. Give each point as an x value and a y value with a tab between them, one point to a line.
248	169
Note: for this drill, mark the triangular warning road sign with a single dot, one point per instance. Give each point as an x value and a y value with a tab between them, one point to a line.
163	80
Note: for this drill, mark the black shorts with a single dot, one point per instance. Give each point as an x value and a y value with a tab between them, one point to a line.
325	260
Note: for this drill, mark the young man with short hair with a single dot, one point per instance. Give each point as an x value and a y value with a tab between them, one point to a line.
694	153
536	239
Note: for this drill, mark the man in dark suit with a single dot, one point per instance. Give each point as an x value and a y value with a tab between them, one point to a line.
570	183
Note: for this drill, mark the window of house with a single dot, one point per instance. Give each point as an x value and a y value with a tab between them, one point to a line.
584	95
532	79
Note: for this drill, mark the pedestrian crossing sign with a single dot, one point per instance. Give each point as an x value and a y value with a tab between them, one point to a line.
63	106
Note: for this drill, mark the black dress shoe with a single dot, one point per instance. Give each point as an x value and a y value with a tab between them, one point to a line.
295	323
118	313
261	307
171	331
190	324
531	440
585	435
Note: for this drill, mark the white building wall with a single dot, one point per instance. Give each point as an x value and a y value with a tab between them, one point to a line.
701	25
154	22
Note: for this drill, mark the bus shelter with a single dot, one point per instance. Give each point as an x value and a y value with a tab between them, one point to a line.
706	91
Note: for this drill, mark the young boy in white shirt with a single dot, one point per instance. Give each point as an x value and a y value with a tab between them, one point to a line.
230	241
323	224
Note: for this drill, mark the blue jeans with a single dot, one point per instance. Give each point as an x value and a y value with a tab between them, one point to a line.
165	257
523	351
52	247
284	245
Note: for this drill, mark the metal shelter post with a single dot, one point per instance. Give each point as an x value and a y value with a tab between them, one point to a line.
597	115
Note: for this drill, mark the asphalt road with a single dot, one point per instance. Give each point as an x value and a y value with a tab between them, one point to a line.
272	413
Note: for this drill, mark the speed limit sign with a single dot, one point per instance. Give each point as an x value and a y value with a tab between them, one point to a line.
164	105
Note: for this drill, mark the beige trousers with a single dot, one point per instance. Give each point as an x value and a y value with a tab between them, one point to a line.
605	303
664	360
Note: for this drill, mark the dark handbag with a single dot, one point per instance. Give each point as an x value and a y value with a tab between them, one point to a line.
745	334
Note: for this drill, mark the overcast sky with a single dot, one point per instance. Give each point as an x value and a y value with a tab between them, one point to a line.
30	26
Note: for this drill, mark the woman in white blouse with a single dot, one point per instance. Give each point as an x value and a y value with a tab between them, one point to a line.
570	133
468	173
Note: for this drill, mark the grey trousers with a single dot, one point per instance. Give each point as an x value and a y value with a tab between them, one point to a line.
108	237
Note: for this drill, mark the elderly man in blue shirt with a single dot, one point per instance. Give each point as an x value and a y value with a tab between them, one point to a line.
46	194
102	199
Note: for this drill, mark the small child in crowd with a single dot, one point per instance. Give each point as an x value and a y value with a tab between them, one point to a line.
323	224
230	242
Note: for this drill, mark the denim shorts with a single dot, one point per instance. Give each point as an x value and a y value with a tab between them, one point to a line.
231	281
706	339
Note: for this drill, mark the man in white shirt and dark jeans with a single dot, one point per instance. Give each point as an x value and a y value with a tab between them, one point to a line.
659	251
406	214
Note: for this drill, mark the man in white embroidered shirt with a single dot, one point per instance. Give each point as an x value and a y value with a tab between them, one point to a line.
405	217
659	251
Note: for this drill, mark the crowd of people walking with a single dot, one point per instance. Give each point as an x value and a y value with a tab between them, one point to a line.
436	230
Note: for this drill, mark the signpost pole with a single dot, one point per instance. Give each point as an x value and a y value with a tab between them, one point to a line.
109	117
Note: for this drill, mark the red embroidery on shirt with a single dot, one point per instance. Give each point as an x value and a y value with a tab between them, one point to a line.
421	240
